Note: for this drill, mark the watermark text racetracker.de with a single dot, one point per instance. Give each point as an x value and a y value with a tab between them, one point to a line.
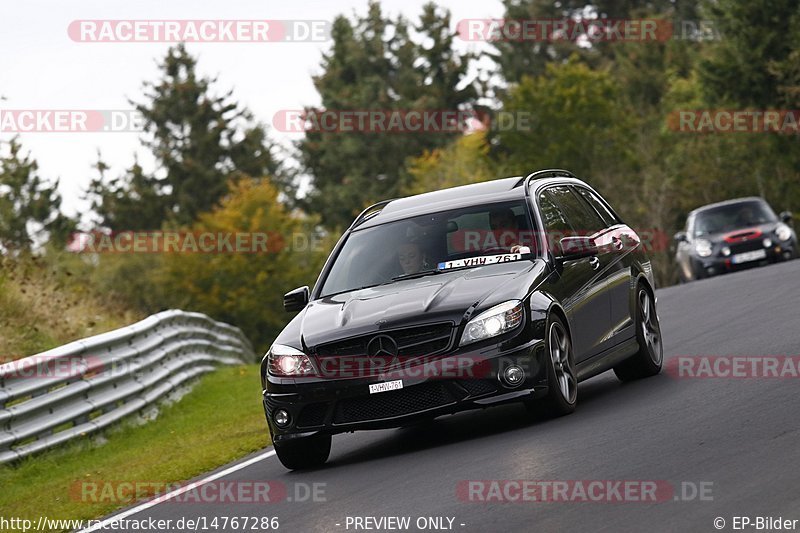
780	121
382	121
199	31
734	367
202	242
126	492
71	121
582	491
586	31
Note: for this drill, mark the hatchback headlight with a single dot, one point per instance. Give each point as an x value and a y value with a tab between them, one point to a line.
288	361
492	322
703	247
783	232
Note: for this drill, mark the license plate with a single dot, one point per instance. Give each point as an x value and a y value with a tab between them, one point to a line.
479	261
749	256
386	386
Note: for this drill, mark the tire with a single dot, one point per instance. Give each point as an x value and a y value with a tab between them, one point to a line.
650	357
305	452
698	273
562	381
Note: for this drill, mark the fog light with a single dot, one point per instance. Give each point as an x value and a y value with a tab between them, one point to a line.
767	243
726	251
513	375
281	418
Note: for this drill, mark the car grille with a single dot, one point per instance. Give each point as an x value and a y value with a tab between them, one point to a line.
747	246
393	403
478	387
312	415
419	341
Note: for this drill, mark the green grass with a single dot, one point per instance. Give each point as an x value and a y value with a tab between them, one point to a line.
220	420
43	305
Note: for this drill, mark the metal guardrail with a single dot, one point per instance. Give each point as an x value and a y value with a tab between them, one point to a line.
84	386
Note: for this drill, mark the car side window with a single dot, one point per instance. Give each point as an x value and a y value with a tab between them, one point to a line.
552	216
579	215
599	207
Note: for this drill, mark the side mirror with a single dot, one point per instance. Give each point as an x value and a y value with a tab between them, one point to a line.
296	299
786	216
573	248
681	237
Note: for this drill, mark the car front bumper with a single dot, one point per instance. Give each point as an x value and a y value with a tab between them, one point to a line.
448	384
715	265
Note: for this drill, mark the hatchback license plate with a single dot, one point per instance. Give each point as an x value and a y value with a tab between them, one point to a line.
386	386
749	256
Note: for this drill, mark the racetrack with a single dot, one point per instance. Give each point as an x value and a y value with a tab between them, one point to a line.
739	434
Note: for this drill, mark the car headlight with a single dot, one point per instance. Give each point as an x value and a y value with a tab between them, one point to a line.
288	361
783	232
492	322
703	247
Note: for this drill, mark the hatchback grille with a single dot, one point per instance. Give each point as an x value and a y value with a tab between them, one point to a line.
747	246
393	403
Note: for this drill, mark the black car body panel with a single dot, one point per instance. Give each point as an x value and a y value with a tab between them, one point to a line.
425	318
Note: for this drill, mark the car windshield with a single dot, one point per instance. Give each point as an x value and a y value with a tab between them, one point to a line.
731	217
420	245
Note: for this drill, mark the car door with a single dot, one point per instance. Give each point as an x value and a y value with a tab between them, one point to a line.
617	242
581	284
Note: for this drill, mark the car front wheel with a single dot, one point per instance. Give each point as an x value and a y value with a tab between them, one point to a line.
562	380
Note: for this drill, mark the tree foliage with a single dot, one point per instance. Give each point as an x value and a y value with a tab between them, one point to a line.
200	142
30	208
245	288
375	64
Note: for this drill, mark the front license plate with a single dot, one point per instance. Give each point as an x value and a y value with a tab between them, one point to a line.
749	256
387	385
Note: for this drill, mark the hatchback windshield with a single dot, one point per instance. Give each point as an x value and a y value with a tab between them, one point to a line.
732	216
416	246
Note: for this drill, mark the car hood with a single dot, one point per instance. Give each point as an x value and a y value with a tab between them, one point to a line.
742	234
435	298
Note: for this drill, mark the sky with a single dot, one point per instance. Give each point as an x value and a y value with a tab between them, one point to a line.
42	68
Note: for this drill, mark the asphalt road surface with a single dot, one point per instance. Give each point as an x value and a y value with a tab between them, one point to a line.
727	447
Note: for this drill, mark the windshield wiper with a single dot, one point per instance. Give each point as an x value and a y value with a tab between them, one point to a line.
421	273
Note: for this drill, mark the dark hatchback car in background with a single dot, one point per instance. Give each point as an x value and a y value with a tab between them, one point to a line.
510	290
733	235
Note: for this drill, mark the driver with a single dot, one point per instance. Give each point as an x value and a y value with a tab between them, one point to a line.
503	221
746	217
411	257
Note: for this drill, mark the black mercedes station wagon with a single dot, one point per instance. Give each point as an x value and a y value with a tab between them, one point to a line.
733	235
510	290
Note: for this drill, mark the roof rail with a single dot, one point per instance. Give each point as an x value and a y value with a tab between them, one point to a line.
548	173
366	212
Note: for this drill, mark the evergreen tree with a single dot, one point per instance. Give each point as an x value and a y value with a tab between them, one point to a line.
374	64
200	141
748	66
29	208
